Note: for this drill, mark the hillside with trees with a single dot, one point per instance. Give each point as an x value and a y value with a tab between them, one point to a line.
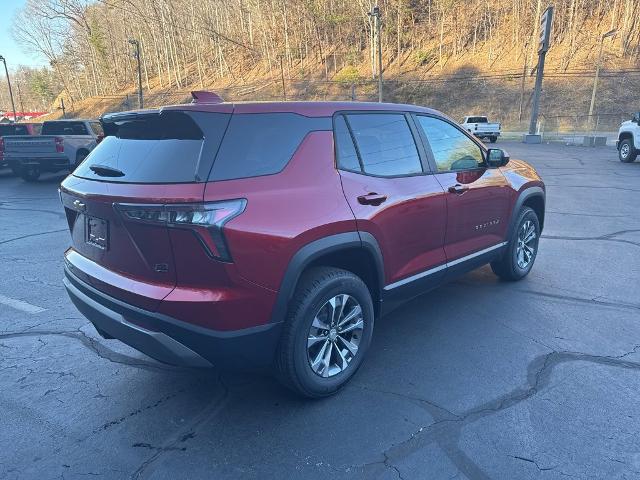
453	54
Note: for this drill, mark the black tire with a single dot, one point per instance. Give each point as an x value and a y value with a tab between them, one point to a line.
508	267
293	363
30	173
493	139
626	151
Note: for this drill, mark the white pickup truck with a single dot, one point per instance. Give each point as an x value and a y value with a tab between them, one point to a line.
628	143
63	145
481	128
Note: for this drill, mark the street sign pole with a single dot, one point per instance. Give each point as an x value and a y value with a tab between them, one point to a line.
545	34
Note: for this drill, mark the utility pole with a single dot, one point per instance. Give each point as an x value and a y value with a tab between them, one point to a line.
6	71
610	33
545	34
375	13
136	44
284	91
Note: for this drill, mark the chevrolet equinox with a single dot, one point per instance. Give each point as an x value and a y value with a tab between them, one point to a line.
272	235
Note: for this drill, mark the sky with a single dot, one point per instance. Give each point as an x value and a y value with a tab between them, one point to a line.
9	49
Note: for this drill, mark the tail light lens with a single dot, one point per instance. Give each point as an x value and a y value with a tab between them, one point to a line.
59	144
206	220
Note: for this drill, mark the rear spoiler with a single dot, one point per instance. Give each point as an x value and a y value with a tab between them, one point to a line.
203	96
122	116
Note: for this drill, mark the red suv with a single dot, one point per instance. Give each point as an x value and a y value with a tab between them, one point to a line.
273	234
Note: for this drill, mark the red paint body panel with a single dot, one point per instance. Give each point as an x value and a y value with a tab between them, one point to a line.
409	226
285	211
479	217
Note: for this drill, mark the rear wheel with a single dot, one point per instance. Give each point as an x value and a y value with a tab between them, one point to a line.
30	173
327	332
626	152
522	249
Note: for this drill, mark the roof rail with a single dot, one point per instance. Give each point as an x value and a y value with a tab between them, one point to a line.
203	96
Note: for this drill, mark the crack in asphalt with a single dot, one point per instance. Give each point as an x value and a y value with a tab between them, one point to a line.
611	237
38	210
92	344
185	433
624	189
587	301
118	421
446	431
588	214
33	235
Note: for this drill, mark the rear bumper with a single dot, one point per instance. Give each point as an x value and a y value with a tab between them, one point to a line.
52	164
172	341
486	134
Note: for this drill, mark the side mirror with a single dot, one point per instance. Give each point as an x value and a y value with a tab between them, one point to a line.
497	158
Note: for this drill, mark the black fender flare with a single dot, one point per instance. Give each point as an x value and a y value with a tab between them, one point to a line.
524	195
314	250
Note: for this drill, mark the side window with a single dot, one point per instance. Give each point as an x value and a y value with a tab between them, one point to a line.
451	148
345	150
385	143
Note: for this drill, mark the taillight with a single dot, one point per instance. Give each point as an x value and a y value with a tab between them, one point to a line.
59	144
205	219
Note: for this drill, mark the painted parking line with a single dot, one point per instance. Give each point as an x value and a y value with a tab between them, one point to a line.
20	305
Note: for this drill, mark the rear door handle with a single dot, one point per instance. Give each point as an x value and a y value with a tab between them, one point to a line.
372	198
459	189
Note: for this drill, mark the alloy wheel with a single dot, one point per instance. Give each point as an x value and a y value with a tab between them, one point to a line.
624	150
335	335
527	244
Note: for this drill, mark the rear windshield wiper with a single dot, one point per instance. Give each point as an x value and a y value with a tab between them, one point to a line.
105	171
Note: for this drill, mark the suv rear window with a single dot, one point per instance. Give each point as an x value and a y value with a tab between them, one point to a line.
259	144
166	147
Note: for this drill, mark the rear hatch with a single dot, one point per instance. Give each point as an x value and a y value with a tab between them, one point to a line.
150	167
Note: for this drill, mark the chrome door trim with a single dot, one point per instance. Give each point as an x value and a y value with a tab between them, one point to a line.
439	268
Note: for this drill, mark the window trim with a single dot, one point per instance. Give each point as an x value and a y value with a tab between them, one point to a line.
432	159
415	134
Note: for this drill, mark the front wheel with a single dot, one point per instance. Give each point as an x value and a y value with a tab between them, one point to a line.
493	139
522	249
327	332
626	152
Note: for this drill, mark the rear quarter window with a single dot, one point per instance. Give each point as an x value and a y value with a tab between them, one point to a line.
258	144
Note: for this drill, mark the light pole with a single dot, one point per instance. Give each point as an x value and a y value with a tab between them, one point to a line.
136	44
610	33
15	119
375	13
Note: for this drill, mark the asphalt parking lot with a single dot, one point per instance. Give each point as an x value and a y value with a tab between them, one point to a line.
478	379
